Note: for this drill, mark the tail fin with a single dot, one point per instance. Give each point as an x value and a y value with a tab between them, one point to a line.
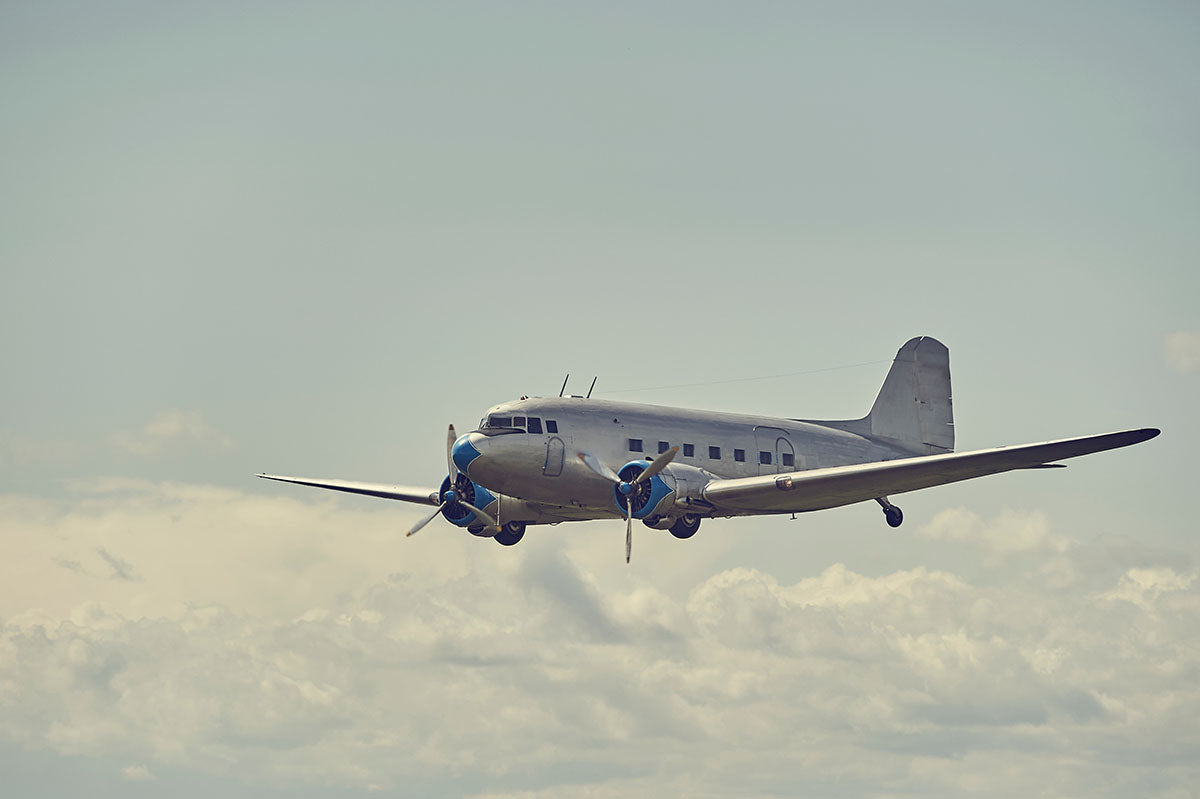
913	409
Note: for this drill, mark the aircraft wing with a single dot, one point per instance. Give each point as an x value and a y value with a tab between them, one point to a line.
423	496
816	489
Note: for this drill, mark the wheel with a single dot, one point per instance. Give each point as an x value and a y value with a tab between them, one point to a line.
685	526
894	516
510	533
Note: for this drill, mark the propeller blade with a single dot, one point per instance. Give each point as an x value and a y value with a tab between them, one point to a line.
656	466
427	519
593	463
628	526
490	521
451	437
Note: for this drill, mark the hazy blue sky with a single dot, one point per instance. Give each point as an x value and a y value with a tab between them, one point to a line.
304	237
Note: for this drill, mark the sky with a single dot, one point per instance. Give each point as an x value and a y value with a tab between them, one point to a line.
304	237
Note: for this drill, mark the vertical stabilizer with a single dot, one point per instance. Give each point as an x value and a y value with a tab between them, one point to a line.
913	409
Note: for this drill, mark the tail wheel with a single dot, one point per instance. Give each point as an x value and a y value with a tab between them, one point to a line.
510	533
685	526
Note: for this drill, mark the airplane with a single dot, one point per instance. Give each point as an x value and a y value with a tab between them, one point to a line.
546	460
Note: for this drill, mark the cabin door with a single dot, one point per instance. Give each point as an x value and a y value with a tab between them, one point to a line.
771	444
554	457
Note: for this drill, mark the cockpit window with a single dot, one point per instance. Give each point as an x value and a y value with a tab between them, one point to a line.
551	426
518	421
499	421
535	424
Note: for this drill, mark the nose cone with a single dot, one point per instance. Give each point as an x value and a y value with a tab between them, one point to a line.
465	452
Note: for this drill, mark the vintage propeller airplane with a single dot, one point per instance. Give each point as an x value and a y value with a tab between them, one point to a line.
543	460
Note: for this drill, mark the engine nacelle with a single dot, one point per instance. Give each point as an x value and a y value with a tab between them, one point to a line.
472	493
666	494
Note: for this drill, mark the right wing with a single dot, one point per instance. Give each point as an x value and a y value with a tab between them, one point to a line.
816	489
422	496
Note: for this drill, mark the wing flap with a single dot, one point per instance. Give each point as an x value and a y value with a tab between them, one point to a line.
833	487
422	496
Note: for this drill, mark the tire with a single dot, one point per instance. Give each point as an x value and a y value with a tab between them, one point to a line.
510	533
685	526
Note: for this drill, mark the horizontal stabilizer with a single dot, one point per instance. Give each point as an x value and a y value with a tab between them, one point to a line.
833	487
422	496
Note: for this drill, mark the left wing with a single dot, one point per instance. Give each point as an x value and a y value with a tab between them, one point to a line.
817	489
422	496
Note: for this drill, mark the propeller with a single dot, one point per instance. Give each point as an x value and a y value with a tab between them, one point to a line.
451	496
628	487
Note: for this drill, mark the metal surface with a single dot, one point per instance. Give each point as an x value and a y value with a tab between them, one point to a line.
903	444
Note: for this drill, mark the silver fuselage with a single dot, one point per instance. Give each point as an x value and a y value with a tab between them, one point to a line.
543	480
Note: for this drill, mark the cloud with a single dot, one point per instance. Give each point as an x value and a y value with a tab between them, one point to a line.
136	774
1009	533
1183	351
1143	587
172	429
308	643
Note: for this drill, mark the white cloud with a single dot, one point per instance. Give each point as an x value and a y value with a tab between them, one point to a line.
172	429
1183	351
137	774
1009	533
282	642
1143	586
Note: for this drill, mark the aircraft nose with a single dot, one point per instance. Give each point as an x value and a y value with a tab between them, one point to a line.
465	451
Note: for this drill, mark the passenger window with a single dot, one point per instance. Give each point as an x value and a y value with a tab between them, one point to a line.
689	450
788	459
551	426
739	455
518	421
714	453
764	458
635	445
663	446
535	424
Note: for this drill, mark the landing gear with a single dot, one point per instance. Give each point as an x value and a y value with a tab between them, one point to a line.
894	516
685	526
510	533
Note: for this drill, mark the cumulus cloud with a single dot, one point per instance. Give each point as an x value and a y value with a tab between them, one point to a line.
1183	351
1009	533
456	667
1143	587
172	429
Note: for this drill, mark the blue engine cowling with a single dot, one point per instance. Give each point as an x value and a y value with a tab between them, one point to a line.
471	492
653	497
